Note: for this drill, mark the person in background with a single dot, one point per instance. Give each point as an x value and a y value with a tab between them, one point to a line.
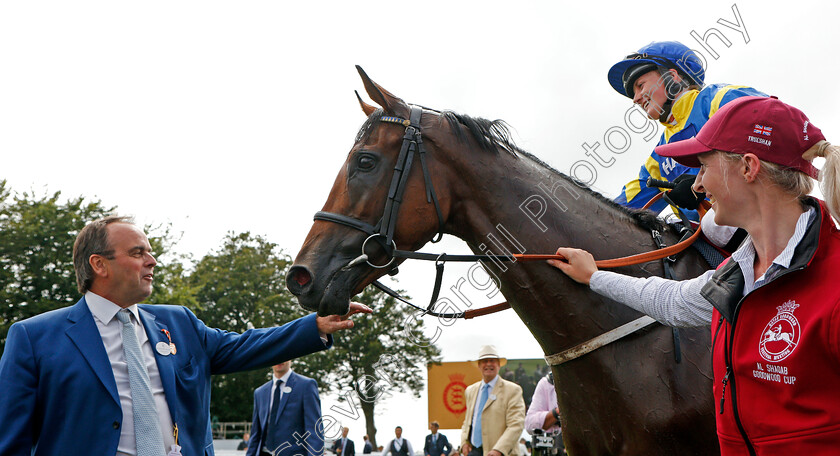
287	414
398	446
495	414
543	412
243	445
368	449
436	443
344	446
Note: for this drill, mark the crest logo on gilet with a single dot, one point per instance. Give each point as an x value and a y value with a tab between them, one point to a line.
781	335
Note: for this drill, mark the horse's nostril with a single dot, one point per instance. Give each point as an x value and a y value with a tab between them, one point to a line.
302	278
298	279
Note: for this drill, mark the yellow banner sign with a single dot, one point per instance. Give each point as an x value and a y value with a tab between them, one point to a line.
447	384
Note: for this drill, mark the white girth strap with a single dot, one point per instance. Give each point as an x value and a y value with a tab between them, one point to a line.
598	342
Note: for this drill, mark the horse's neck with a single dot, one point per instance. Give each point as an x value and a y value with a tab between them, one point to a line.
528	204
524	207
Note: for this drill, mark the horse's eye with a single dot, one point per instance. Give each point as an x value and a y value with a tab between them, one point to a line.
366	162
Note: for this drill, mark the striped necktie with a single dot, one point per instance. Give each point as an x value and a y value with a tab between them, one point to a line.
146	426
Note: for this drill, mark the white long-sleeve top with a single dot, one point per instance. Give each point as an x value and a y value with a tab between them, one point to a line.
679	303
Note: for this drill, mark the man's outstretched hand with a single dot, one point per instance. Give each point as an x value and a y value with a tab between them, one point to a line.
333	323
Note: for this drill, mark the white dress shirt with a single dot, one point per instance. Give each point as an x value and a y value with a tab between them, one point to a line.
398	443
105	315
274	379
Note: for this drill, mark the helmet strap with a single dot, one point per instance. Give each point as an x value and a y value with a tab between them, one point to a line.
670	84
665	117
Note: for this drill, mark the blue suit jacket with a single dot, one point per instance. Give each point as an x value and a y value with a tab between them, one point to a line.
442	446
59	394
349	449
298	426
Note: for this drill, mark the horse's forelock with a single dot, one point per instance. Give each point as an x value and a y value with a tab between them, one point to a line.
370	123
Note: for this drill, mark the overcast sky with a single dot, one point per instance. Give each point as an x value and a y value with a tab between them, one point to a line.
236	116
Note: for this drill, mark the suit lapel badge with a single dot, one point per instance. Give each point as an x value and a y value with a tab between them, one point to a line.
172	348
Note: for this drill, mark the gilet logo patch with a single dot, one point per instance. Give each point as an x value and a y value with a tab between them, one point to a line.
781	335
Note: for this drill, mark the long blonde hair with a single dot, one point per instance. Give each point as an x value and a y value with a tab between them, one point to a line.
829	174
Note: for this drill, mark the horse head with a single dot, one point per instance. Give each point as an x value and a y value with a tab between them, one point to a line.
359	218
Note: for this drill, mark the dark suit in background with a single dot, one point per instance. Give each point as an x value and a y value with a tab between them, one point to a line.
349	448
299	413
437	446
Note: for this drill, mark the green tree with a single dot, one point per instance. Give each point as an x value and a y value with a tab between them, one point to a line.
384	352
36	245
172	285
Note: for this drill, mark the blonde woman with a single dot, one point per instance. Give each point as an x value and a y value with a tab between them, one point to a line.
774	305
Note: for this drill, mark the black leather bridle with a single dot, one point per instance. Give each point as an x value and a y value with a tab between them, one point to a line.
383	231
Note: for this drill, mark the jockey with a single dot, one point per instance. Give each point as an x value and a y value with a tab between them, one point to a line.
666	79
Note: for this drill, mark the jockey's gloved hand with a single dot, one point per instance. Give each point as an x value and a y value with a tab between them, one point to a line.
683	195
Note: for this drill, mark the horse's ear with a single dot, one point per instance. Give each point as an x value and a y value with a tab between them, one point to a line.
391	104
368	109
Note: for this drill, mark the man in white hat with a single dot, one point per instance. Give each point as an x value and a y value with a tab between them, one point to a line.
495	415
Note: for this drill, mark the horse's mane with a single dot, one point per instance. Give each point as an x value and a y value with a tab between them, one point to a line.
494	135
491	135
644	218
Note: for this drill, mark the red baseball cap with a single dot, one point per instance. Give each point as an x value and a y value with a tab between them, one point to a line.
772	130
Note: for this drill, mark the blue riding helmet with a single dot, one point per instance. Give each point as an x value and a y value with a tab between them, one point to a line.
668	54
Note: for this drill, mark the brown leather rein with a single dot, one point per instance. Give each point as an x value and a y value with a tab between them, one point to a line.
611	263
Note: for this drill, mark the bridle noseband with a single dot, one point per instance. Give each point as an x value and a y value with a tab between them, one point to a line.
383	231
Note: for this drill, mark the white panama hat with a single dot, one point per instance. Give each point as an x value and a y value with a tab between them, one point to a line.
489	351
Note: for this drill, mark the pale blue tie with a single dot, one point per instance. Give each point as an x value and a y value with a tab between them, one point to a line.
146	426
482	399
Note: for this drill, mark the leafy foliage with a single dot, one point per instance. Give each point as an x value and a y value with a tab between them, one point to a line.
36	245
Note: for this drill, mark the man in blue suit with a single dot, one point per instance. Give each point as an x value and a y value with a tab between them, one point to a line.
107	376
287	410
436	443
344	446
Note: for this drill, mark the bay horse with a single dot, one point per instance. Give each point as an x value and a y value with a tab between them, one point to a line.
627	398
